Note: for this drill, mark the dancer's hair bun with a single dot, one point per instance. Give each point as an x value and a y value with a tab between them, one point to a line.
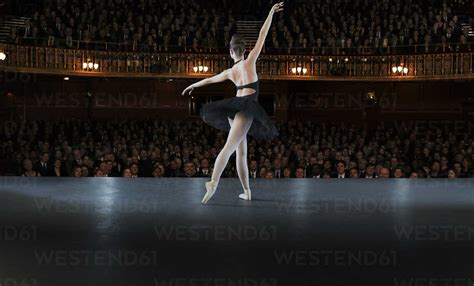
237	43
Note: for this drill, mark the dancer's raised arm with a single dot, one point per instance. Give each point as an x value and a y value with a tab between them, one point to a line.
255	53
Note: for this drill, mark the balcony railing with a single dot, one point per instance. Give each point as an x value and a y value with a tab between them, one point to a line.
62	61
153	47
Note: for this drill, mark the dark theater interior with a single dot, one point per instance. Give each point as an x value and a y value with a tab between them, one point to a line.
237	143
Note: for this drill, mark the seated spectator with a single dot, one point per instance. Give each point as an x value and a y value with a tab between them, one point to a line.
262	173
189	170
414	175
85	171
58	170
269	175
135	170
157	172
398	173
204	170
127	173
77	172
28	169
451	174
287	173
299	172
354	173
326	175
341	172
369	172
384	173
43	166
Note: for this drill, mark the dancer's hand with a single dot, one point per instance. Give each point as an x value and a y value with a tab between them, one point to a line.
188	89
277	8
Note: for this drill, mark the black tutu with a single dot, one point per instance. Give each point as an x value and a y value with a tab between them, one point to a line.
217	113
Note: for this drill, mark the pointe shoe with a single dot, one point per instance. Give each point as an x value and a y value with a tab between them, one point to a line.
246	196
210	190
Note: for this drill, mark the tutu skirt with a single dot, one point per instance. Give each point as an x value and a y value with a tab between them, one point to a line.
216	114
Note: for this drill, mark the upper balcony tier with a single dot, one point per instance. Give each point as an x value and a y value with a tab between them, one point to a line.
310	66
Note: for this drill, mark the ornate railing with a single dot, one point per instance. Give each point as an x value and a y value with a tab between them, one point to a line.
72	62
140	47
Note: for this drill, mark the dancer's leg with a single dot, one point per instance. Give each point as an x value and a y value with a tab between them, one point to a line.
237	133
241	162
242	169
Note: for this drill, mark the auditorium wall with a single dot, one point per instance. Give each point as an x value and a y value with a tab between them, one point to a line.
46	97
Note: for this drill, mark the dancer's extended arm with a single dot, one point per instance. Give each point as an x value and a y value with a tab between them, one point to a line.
223	76
253	55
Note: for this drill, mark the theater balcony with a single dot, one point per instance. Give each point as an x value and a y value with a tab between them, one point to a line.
327	65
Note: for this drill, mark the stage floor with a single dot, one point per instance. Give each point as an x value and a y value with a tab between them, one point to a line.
116	231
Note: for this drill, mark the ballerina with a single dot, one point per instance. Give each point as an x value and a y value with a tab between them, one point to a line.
240	115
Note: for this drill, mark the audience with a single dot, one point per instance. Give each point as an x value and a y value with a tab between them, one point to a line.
320	26
155	148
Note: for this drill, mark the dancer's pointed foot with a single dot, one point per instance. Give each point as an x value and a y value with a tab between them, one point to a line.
211	188
246	196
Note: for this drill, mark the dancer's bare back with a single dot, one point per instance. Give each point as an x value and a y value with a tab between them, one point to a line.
243	73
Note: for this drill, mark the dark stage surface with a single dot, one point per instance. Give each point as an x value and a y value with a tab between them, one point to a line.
115	231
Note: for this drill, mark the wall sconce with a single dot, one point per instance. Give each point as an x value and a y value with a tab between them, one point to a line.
299	71
90	66
3	56
400	70
371	97
201	69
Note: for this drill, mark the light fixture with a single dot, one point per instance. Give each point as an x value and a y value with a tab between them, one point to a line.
299	70
3	56
66	78
90	66
371	97
200	68
330	60
400	70
346	60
